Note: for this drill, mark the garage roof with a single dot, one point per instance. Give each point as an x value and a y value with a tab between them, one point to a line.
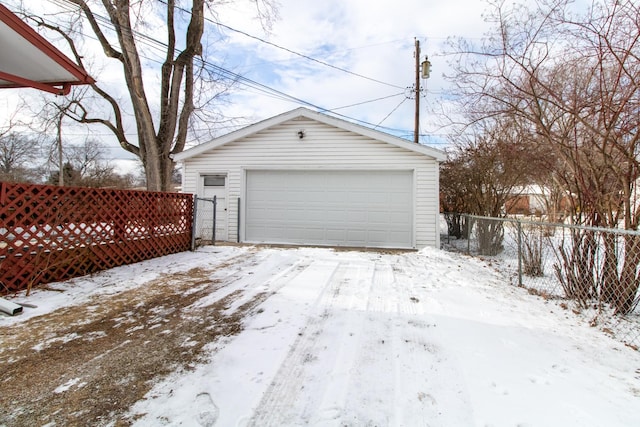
313	115
28	60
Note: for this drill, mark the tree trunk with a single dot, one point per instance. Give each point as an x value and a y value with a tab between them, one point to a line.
162	130
176	104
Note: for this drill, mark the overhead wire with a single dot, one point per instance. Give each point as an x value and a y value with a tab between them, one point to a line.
223	72
364	102
313	60
262	88
286	49
391	112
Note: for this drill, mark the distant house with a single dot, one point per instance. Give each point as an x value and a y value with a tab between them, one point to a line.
536	200
529	200
307	178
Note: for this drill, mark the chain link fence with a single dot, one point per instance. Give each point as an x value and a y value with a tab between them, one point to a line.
593	271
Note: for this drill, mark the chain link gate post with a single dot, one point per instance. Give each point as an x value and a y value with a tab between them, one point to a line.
213	229
238	225
469	234
194	224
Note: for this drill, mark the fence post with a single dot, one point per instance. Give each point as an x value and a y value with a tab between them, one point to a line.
519	227
194	225
238	227
469	225
3	193
213	232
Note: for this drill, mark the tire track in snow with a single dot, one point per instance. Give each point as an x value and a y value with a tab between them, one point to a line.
406	357
255	275
332	389
398	339
369	319
278	405
388	305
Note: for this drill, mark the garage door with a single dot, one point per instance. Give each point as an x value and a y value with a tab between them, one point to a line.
336	208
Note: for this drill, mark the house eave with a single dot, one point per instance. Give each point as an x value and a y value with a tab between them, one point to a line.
18	37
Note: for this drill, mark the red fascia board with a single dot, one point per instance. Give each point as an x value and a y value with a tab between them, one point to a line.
62	88
22	28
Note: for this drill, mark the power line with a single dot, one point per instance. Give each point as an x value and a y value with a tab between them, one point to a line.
262	88
366	102
222	72
387	116
302	55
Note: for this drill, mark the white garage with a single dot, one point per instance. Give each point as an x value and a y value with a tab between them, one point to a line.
306	178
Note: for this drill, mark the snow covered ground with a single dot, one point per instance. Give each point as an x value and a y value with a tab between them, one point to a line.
378	339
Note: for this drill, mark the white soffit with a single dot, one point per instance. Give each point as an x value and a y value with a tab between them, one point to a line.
28	60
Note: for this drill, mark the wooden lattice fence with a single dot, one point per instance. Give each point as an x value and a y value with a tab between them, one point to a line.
50	233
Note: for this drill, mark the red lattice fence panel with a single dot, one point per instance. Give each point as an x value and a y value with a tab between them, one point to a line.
50	233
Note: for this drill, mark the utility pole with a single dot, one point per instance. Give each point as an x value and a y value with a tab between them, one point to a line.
416	131
425	68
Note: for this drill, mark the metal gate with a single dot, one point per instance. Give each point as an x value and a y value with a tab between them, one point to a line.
204	221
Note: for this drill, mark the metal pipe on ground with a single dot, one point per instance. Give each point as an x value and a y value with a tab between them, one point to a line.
9	308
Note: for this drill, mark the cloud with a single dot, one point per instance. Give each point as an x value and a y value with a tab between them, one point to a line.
372	39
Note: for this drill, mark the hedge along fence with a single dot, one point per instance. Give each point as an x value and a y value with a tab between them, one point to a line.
50	233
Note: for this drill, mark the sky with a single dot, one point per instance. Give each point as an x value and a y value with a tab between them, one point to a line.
354	58
374	40
344	338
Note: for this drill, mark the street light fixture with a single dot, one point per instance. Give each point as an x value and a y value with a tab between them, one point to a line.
426	68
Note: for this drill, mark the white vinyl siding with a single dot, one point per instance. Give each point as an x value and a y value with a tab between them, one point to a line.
323	147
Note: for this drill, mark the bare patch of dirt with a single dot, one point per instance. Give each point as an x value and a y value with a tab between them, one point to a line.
87	365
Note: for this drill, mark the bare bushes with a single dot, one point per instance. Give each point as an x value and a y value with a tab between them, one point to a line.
490	237
532	245
592	266
600	266
457	225
575	268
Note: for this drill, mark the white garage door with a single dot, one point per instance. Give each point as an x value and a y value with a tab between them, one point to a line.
337	208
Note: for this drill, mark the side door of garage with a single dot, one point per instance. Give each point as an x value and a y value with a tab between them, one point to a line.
213	185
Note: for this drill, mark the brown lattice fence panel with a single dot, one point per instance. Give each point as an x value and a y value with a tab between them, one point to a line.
50	233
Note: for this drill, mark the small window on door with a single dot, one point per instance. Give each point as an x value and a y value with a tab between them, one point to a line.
214	180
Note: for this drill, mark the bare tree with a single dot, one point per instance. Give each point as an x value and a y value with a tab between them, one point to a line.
573	78
160	130
487	166
87	165
485	170
18	153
